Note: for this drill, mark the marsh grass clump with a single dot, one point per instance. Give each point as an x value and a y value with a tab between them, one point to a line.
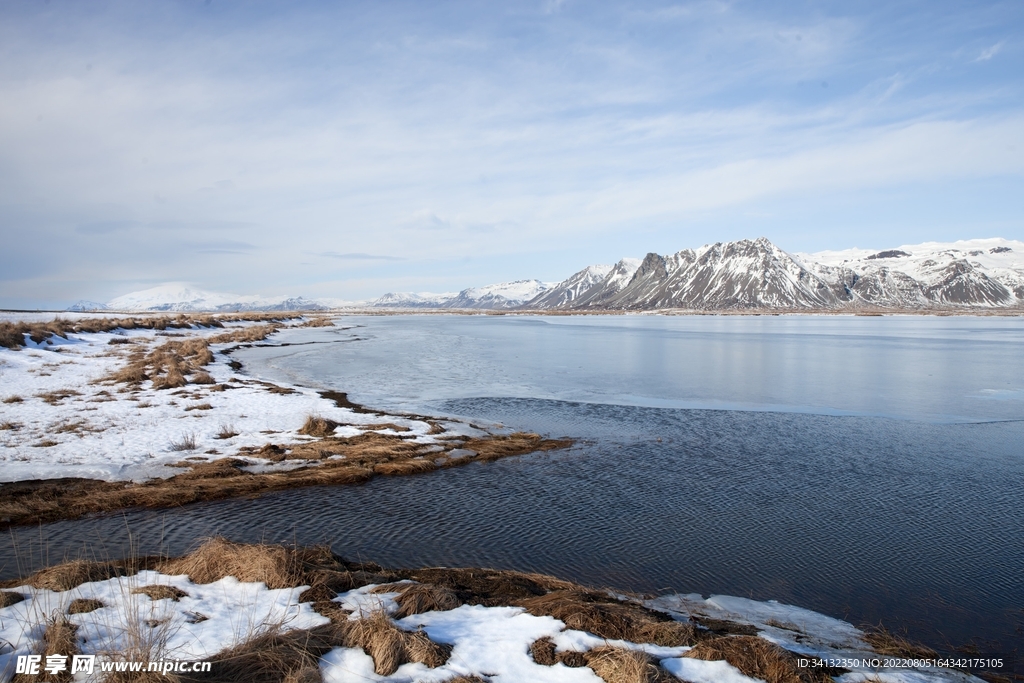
67	575
273	657
319	321
55	397
216	558
390	646
7	425
186	443
8	598
13	399
619	665
227	432
161	592
318	426
885	642
84	605
757	658
542	651
416	598
590	611
59	638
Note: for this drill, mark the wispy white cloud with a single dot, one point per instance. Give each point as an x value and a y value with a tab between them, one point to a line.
990	52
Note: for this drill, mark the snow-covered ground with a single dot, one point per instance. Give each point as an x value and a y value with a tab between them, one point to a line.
59	419
492	642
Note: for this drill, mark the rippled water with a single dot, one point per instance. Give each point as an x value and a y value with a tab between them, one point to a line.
875	470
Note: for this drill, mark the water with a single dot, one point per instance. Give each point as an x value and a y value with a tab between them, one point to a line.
868	468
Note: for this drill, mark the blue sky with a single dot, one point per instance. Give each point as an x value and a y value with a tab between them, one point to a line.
349	149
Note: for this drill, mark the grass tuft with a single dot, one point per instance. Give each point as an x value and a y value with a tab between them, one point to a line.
417	598
618	665
84	605
160	592
227	432
885	642
390	646
186	443
596	613
8	598
13	399
272	565
318	426
757	658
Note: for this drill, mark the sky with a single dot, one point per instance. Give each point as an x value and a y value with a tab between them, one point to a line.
348	149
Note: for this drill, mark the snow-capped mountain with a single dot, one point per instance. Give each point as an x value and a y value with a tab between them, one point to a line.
502	295
756	274
180	297
982	272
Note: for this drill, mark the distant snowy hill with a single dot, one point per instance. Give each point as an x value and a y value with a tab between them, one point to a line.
414	299
179	297
499	296
83	306
756	274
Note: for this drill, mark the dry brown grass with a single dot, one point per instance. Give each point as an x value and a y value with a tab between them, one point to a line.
885	642
202	377
13	399
404	467
291	657
8	598
84	605
618	665
187	442
12	334
272	565
757	658
67	575
55	397
7	425
489	587
417	598
606	617
49	500
199	406
161	592
227	432
319	321
390	646
316	425
542	651
59	638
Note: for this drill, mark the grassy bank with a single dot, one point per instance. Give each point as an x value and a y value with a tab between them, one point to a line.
99	415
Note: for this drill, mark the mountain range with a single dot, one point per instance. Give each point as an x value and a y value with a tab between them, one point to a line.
758	275
745	275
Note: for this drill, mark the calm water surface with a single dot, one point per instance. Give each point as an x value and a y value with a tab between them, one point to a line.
868	468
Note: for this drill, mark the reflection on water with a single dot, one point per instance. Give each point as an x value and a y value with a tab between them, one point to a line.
915	521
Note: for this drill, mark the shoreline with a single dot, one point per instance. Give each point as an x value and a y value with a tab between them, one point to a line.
152	413
312	616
